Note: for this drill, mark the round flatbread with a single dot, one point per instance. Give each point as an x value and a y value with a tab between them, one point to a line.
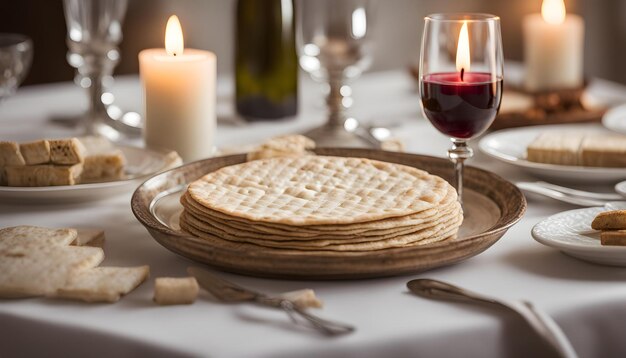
316	190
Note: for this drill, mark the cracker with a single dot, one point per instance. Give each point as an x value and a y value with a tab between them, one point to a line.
102	284
43	175
37	152
315	230
318	190
294	145
89	237
33	270
435	233
555	148
10	154
304	298
613	238
66	151
104	166
23	236
175	290
610	220
315	242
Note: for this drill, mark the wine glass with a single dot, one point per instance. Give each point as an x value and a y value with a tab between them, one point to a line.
94	31
16	55
461	79
334	46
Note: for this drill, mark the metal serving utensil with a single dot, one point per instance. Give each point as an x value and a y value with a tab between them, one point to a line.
227	291
541	322
568	195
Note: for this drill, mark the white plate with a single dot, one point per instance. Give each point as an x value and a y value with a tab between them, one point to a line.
570	232
615	119
509	145
141	163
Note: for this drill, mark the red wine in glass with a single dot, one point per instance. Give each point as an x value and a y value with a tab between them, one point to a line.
461	107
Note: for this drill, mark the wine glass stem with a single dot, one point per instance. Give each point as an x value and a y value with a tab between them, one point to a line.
97	109
334	101
458	154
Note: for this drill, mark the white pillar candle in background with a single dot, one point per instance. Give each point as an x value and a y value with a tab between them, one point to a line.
179	96
553	48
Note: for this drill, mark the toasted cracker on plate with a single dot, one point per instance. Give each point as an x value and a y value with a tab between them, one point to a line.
10	154
175	290
102	159
37	152
66	151
102	284
613	238
43	175
610	220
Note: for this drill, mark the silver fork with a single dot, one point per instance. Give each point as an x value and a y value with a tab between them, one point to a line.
568	195
227	291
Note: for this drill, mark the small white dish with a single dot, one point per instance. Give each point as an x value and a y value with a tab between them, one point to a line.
509	146
615	119
141	163
571	233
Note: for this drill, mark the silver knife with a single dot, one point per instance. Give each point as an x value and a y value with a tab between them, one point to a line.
543	324
227	291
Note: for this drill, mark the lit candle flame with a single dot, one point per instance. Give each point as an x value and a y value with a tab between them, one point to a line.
463	51
553	11
174	42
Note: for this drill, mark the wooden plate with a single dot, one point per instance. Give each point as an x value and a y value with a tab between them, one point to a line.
492	205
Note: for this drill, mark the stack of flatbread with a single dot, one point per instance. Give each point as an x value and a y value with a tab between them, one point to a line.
321	203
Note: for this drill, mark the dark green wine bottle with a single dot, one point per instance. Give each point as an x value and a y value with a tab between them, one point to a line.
266	64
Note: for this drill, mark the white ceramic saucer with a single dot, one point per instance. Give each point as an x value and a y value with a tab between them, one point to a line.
570	232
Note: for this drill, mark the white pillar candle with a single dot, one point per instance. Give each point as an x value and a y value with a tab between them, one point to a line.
179	96
553	48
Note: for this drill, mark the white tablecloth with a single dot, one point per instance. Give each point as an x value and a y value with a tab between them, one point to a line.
588	301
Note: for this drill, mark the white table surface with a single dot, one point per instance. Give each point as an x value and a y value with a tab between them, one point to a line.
588	301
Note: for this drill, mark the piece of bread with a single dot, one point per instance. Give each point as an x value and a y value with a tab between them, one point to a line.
35	270
613	238
66	151
555	148
102	166
18	236
302	298
604	151
10	154
102	160
102	284
610	220
284	146
89	237
43	175
175	290
37	152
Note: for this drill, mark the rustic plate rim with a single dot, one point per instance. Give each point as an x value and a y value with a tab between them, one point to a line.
145	217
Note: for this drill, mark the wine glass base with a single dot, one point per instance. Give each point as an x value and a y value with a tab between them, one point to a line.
328	136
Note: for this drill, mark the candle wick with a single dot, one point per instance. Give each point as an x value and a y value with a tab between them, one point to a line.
462	73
